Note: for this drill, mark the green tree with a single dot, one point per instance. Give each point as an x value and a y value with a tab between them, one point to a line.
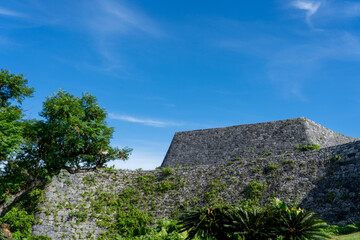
13	91
75	135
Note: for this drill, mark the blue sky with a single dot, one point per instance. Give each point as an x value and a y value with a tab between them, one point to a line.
159	66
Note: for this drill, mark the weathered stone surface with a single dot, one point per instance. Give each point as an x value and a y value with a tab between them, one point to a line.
214	145
326	181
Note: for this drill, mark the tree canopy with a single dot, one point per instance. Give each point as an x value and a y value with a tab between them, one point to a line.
71	135
13	90
75	133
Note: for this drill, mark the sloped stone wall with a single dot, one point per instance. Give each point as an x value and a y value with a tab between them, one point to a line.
326	181
215	145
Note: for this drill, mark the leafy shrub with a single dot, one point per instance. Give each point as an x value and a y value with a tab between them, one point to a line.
80	216
308	147
130	221
165	186
166	171
348	229
166	229
254	190
341	230
287	161
20	222
270	168
213	190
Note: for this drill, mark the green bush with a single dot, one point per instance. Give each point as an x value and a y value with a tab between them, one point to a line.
254	190
308	147
20	223
342	230
348	229
166	171
166	229
165	186
131	222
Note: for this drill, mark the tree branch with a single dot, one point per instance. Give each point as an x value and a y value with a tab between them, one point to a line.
7	203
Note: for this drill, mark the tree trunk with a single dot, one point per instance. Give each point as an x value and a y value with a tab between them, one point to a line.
17	195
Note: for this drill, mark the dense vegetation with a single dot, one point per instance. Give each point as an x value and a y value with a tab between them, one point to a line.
72	134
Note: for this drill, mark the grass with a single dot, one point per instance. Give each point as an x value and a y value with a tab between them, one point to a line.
353	236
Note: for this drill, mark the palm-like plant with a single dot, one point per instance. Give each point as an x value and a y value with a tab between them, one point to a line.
273	222
251	224
296	224
205	223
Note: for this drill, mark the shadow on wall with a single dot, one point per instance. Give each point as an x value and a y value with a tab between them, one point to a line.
336	196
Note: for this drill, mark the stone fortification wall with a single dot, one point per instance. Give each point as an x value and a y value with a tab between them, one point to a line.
210	146
326	181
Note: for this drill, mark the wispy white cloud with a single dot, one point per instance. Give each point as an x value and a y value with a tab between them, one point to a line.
10	13
108	24
147	122
331	11
120	17
311	7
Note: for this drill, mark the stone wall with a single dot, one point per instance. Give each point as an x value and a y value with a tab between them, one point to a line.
215	145
326	181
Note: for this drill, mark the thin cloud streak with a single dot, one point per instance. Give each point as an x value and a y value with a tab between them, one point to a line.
147	122
311	7
108	23
327	12
127	17
107	17
10	13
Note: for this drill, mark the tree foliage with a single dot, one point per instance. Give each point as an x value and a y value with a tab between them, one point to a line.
72	135
13	91
13	88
